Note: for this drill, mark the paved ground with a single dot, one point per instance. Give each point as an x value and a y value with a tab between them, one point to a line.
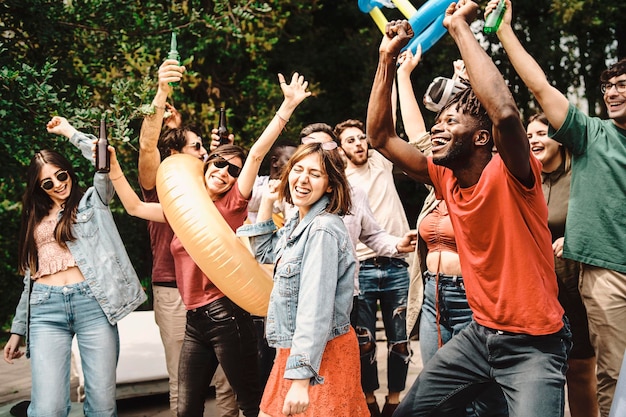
15	387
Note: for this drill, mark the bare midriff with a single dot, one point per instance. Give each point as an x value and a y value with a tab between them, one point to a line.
444	262
69	276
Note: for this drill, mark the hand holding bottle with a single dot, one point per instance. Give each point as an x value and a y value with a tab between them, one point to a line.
173	53
103	159
215	140
170	72
222	128
497	12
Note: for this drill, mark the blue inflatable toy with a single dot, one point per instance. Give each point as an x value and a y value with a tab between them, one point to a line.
427	22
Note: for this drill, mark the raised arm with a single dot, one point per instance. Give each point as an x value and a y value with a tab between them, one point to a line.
86	144
553	103
412	118
149	157
130	200
380	124
493	93
266	207
294	92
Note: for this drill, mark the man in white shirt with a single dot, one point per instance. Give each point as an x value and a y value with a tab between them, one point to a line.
382	279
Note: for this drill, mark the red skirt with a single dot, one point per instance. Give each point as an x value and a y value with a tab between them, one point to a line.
340	395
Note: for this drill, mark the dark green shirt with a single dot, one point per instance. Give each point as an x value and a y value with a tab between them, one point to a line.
595	232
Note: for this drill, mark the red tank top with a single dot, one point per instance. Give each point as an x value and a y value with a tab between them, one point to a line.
436	230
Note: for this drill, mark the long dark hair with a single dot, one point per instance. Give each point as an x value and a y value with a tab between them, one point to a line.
36	204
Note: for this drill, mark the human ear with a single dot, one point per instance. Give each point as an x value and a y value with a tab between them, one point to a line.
482	138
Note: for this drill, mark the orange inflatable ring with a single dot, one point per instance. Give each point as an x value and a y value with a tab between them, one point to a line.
207	237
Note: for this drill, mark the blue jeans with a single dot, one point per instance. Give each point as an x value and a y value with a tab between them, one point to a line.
219	332
57	314
454	315
388	284
454	312
530	370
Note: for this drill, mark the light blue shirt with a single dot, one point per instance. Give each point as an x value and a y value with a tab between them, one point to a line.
311	299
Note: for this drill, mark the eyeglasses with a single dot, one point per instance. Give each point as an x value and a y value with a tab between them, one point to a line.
196	145
47	183
352	139
620	86
219	162
327	146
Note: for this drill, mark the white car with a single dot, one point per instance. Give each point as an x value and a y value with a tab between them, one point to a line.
141	368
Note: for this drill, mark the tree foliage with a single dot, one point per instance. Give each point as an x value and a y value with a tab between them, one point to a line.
82	58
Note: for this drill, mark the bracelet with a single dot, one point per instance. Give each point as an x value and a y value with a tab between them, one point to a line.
282	118
116	178
158	107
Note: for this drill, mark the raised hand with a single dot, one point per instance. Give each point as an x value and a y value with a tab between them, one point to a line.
398	33
60	126
463	9
170	72
295	91
407	62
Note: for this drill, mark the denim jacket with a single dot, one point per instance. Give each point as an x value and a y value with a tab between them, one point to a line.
98	251
314	276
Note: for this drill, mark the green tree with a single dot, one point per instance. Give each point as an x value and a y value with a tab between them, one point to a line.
80	58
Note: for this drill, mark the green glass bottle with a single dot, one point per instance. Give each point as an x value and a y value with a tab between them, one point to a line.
492	23
173	53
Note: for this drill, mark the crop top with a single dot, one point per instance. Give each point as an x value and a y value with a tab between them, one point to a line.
52	256
436	230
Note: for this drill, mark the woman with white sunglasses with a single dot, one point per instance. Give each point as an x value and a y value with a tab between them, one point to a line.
78	281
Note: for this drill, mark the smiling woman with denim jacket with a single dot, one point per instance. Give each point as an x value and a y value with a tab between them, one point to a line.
78	281
315	263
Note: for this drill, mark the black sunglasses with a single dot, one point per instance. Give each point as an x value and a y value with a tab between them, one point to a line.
47	183
219	162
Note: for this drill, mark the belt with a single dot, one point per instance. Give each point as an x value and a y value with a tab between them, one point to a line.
380	261
455	280
169	284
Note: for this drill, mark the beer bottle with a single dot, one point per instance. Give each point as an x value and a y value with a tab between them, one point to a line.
103	158
222	129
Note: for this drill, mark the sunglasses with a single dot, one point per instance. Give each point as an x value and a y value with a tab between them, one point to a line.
327	146
196	145
219	162
47	183
352	139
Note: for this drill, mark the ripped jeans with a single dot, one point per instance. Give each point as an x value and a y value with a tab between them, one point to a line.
388	284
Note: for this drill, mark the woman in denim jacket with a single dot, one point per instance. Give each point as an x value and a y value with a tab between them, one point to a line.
78	280
308	319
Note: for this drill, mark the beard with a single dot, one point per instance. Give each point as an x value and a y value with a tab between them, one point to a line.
456	155
357	160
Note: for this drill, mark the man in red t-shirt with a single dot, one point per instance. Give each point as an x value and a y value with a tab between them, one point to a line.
518	338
